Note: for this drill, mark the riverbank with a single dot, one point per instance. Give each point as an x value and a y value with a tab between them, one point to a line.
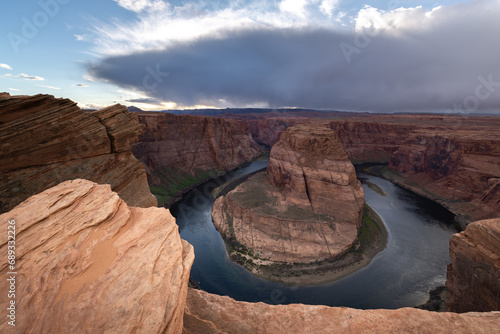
385	172
372	239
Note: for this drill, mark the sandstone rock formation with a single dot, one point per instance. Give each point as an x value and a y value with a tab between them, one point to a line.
182	151
460	169
473	277
307	209
44	141
209	314
313	171
86	262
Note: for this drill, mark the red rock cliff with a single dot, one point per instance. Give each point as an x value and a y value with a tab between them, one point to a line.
473	277
208	313
180	151
44	141
88	263
459	168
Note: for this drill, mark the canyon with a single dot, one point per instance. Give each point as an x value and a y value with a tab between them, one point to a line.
453	160
97	256
82	245
45	141
306	208
179	152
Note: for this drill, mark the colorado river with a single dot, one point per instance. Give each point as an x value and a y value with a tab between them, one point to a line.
413	262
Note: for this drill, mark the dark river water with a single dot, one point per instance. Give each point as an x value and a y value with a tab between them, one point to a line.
413	262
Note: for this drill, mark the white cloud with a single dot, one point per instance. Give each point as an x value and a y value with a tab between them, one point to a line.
14	89
49	87
24	76
142	5
158	29
80	85
295	7
328	6
5	66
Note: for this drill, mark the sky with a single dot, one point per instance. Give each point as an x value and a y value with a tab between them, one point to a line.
385	56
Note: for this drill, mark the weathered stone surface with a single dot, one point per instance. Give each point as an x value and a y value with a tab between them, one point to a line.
473	277
309	207
459	168
312	170
88	263
181	151
209	314
44	141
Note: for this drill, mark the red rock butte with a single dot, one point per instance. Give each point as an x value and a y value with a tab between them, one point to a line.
308	208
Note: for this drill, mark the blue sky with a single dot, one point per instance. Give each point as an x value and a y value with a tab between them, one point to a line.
338	54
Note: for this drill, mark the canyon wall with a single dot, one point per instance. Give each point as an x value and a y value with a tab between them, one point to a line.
87	262
453	160
45	141
307	206
473	277
181	151
460	169
209	314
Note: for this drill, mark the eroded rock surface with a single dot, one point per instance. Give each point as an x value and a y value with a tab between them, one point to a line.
460	169
88	263
181	151
307	208
45	141
473	277
209	314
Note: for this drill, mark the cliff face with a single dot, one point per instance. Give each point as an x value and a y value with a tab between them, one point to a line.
44	141
370	141
86	262
209	314
267	131
473	277
313	171
308	208
460	169
180	151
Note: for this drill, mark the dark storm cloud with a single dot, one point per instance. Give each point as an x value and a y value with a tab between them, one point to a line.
454	61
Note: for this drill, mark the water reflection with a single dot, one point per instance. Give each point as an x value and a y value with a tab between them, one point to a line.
413	262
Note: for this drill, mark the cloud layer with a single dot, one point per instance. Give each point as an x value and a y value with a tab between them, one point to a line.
405	59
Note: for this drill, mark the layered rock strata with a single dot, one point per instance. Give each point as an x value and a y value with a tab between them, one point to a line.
473	277
87	262
460	169
45	141
306	208
209	314
179	152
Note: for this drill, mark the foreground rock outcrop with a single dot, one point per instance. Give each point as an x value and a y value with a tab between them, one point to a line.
473	277
307	208
181	151
209	314
88	263
44	141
